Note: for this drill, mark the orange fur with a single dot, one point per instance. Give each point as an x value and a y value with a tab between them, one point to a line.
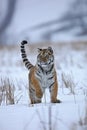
34	82
55	90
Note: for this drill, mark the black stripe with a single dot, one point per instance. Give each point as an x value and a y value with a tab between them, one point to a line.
51	85
26	63
24	60
50	78
39	76
23	42
23	55
22	46
31	90
22	50
40	68
38	73
29	67
50	69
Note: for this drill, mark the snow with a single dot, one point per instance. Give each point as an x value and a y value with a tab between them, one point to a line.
32	117
71	114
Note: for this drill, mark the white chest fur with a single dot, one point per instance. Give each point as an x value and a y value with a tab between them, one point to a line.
45	80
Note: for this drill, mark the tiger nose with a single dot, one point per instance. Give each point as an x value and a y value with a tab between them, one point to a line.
44	59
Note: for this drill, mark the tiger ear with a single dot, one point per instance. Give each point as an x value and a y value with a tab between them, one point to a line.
50	49
39	50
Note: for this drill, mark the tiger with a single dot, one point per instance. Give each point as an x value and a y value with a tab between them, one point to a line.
42	75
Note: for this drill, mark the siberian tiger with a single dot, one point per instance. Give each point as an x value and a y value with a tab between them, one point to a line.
42	75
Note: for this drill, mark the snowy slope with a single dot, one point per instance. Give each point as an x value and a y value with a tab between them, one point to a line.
63	116
71	114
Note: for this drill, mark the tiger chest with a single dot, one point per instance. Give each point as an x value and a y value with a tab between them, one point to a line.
45	80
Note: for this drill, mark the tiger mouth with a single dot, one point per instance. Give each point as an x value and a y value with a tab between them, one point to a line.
45	64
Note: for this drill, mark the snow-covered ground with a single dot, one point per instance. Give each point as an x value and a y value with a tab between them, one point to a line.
71	66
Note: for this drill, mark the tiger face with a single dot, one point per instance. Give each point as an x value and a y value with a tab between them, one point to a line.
45	57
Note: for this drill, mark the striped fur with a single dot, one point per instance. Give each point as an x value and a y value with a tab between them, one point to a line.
42	75
24	57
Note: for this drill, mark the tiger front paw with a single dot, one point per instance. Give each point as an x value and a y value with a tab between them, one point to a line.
56	101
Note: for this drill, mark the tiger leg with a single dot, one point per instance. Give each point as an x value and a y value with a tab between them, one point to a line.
53	93
35	93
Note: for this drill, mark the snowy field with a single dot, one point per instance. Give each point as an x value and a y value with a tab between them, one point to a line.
16	113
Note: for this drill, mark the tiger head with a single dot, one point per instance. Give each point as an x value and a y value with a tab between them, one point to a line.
45	57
